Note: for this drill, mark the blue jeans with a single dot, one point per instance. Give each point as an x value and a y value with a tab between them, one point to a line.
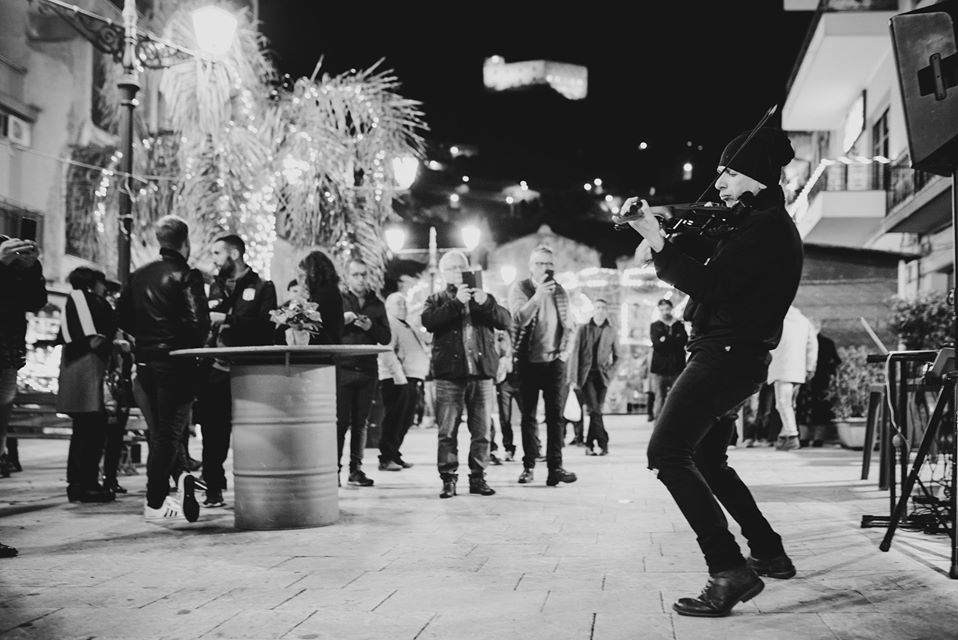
548	377
452	396
687	448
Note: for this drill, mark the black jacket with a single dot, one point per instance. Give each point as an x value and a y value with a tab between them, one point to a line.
247	311
741	294
668	347
380	333
23	290
443	314
164	307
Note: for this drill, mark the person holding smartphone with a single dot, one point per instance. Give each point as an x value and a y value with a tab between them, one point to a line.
24	290
543	332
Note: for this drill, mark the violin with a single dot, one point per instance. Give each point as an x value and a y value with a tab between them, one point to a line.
712	219
705	218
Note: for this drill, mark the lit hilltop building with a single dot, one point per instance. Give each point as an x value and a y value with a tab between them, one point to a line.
569	80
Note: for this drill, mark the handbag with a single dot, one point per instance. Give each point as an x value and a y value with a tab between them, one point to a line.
573	410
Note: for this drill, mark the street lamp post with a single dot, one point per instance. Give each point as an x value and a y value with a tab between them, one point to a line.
133	49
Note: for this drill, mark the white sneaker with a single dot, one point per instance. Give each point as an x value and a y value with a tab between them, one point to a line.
169	510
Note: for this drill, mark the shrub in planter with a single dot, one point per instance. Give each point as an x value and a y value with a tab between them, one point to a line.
849	393
923	323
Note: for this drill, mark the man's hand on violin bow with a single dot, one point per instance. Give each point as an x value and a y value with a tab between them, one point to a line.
638	215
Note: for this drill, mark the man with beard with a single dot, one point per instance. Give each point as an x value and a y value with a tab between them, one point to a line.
240	302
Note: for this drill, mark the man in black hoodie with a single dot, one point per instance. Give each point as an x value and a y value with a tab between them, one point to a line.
740	288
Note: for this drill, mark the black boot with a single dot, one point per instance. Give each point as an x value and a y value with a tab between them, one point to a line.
724	590
779	567
448	486
479	486
13	454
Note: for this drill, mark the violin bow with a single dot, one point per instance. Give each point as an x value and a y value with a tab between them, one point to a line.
751	134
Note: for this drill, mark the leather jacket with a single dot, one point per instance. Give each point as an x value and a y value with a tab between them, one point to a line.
164	307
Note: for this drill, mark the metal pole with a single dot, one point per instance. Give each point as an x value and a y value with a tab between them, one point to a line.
128	85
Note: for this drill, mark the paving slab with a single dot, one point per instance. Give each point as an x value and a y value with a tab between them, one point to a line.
600	559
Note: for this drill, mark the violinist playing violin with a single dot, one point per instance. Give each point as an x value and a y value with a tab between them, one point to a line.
740	287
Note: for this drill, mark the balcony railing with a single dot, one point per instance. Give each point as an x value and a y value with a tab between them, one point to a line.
904	182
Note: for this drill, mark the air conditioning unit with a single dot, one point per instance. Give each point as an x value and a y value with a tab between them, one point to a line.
18	131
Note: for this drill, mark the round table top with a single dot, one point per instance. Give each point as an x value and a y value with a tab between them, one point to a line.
322	354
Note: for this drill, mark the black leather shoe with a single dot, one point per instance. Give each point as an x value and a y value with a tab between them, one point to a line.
98	494
724	590
560	475
114	486
7	552
779	567
480	487
448	488
526	476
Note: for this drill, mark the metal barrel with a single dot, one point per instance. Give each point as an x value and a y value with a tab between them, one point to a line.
285	461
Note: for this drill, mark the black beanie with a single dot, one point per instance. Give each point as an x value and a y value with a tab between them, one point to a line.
762	158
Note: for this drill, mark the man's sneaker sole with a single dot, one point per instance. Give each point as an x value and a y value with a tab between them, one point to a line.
191	508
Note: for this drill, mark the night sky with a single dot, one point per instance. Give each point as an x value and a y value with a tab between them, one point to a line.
674	73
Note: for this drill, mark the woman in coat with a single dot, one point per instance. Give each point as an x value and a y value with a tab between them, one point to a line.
87	332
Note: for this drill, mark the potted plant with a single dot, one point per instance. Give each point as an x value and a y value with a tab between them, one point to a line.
849	394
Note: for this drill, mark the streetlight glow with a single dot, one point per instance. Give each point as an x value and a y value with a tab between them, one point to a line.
405	170
215	29
395	238
470	236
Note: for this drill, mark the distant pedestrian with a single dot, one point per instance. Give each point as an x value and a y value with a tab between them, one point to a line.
669	337
357	377
595	356
87	332
507	393
401	371
793	362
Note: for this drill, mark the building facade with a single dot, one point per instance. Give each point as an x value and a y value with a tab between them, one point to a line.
852	185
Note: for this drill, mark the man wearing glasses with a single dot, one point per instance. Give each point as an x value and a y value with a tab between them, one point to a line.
463	320
364	317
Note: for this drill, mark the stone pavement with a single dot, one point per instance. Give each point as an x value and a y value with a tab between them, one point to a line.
600	559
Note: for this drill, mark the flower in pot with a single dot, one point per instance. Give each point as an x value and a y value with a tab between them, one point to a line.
849	394
301	319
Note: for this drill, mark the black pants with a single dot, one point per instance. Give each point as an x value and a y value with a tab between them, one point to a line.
593	397
506	392
166	401
86	446
216	420
688	450
355	391
399	404
548	377
115	431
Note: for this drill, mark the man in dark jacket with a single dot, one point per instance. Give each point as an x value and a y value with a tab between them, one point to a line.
463	320
357	377
740	291
24	291
164	307
240	302
668	338
594	359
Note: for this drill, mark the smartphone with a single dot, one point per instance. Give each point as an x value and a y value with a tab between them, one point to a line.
472	279
28	229
550	275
